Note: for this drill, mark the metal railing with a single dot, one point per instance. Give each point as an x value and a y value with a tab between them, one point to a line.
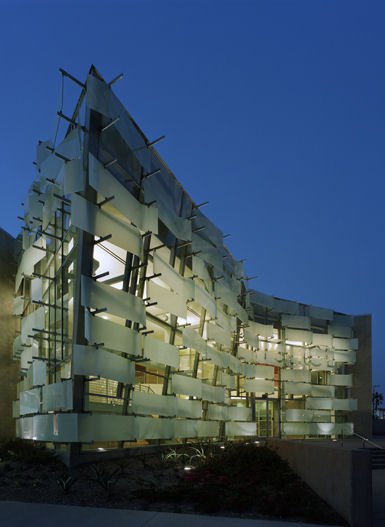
367	441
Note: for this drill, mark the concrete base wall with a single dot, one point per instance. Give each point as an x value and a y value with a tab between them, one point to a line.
379	427
8	367
341	476
362	377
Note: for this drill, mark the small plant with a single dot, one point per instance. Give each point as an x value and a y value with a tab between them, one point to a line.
106	479
65	482
25	451
173	456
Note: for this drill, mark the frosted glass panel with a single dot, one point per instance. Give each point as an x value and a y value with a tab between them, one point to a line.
104	427
319	403
37	289
320	313
57	396
247	354
295	321
149	428
229	381
210	231
176	282
322	391
208	252
119	303
87	360
345	332
167	300
297	388
92	219
149	403
187	385
322	340
236	413
299	335
144	217
261	299
71	146
235	364
187	408
161	352
200	269
345	344
297	415
296	428
341	380
219	358
229	297
264	372
258	385
207	429
31	323
251	338
205	300
30	258
30	401
51	204
50	167
112	336
251	370
217	412
226	321
317	428
74	176
296	375
240	429
221	336
286	306
347	405
180	227
186	428
26	357
18	305
37	373
348	357
191	339
215	394
264	330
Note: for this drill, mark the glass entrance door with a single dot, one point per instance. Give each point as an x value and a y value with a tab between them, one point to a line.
266	416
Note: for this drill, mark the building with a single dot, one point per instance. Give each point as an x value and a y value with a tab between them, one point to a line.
136	324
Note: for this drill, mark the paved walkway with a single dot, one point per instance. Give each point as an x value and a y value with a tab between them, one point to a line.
21	514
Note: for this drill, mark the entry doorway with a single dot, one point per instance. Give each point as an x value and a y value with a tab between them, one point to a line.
267	417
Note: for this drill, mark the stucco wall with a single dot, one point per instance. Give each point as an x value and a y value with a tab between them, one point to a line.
8	367
341	476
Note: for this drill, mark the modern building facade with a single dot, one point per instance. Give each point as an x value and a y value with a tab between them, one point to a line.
135	321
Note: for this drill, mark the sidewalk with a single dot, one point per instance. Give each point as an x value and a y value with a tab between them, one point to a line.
20	514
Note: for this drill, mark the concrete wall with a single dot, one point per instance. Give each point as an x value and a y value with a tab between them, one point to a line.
341	476
8	367
378	427
362	377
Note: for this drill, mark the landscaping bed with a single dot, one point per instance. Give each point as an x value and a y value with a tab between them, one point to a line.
240	479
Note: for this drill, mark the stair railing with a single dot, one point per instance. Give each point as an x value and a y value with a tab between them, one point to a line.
367	441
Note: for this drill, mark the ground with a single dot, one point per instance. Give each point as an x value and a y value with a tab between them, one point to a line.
243	479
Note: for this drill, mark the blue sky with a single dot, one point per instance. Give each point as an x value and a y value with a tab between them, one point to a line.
274	111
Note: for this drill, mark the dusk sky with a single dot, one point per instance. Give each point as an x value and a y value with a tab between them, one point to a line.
273	111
